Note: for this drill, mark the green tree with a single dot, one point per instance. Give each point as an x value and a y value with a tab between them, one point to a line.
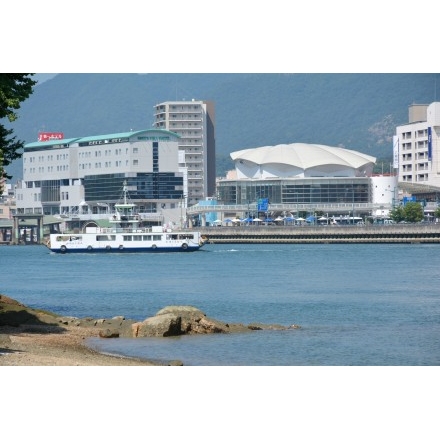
413	212
437	213
14	89
398	214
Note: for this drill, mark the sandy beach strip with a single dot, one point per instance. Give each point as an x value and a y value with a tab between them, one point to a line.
37	345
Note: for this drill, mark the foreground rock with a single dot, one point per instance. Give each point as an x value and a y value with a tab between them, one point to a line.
188	320
170	321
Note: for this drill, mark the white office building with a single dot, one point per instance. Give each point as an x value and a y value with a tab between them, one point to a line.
86	175
194	122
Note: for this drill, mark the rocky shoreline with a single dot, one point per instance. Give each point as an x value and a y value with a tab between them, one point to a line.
32	337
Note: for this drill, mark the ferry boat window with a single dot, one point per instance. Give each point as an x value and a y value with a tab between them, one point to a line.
137	237
186	236
106	238
172	237
147	237
127	237
157	237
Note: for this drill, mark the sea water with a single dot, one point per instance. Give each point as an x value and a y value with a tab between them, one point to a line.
356	304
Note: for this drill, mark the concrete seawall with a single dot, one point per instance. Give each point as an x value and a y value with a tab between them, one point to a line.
401	233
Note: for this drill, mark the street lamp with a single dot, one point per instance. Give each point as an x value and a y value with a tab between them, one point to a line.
251	213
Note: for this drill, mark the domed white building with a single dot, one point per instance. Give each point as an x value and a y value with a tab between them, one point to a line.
301	161
303	177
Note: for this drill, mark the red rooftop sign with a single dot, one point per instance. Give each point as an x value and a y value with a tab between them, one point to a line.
42	137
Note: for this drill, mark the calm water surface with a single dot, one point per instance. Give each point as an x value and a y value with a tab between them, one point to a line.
357	304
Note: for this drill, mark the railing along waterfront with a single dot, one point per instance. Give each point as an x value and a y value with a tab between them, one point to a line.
291	207
397	233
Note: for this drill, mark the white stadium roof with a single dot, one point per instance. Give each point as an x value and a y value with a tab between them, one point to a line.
304	156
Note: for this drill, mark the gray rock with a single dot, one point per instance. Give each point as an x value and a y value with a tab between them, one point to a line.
163	325
179	320
108	333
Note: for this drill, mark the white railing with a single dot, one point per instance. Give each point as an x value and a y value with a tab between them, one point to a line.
307	207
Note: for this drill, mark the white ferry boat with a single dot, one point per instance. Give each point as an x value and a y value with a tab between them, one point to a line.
126	235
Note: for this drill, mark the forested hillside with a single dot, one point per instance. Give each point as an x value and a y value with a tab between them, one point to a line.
356	111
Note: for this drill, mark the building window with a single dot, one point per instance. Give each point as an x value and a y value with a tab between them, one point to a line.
155	157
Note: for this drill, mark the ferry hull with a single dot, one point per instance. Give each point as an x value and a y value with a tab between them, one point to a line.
108	241
124	250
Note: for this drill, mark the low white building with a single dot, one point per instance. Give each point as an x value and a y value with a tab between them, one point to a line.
306	177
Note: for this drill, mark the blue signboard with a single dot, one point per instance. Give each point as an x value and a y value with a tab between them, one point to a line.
405	200
263	205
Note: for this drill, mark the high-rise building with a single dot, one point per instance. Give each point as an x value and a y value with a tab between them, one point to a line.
194	122
417	146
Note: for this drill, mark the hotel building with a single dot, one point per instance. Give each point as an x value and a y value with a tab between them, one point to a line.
416	149
85	176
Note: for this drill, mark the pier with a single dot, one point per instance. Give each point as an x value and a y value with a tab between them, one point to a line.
396	233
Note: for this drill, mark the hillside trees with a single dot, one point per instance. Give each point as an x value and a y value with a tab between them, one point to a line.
14	89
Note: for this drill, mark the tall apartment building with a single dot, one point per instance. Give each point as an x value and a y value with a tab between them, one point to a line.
194	122
417	146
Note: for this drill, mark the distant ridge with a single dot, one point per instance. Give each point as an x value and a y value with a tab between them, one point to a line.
355	111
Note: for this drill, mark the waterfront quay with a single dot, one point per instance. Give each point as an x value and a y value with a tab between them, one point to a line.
394	233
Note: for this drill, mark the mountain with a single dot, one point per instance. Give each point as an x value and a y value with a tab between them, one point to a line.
355	111
41	77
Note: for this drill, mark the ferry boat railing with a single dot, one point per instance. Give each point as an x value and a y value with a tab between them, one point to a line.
142	216
113	230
